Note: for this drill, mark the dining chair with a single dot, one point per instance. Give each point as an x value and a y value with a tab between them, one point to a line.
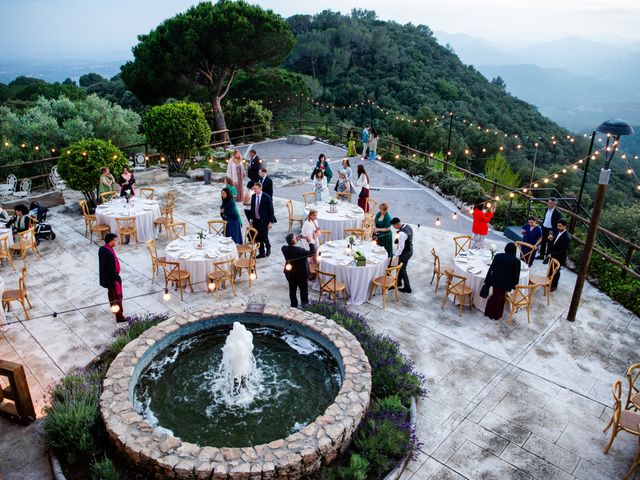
219	227
147	192
25	188
176	229
371	204
325	236
247	263
25	241
17	295
292	216
173	274
344	196
165	218
91	224
153	253
5	253
169	201
439	270
520	298
309	198
457	286
356	232
249	239
367	226
331	286
547	280
127	228
526	257
633	395
461	243
222	272
387	282
107	196
621	420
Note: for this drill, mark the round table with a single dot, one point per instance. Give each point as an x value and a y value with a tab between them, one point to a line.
333	259
199	262
9	233
145	211
346	215
474	265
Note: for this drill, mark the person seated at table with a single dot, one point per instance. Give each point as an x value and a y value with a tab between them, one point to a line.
503	276
343	184
126	182
4	216
532	234
107	183
229	212
320	186
382	230
20	222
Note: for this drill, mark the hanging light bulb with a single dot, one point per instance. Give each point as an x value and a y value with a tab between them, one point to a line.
437	222
6	144
630	171
253	276
212	286
115	308
555	175
564	170
488	204
580	161
454	216
525	190
546	180
497	198
166	296
575	167
288	267
511	195
535	185
397	157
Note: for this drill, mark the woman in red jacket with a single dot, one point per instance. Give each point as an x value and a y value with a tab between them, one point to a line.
480	226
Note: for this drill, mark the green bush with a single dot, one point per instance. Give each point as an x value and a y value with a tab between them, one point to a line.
469	191
356	470
519	214
390	404
434	177
104	470
80	163
177	130
251	114
450	184
382	442
71	426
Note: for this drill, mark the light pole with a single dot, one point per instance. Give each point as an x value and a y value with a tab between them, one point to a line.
446	166
533	165
616	128
572	224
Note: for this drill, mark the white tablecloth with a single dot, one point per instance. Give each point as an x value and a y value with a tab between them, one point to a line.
199	263
481	260
333	259
9	233
145	211
346	216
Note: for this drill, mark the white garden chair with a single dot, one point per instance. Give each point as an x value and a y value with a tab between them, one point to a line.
9	187
25	188
139	162
56	182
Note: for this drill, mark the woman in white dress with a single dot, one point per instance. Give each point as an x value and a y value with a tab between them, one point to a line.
310	230
320	186
363	183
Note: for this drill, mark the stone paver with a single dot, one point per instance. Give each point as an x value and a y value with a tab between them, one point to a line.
521	401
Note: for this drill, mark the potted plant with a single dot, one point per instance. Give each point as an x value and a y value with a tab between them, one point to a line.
360	259
201	236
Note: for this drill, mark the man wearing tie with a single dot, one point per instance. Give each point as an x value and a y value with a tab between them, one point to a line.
296	269
558	249
262	218
551	218
267	183
255	162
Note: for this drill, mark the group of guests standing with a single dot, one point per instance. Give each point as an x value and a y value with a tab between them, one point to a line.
322	175
125	183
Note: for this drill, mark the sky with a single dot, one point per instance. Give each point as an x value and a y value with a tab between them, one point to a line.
107	29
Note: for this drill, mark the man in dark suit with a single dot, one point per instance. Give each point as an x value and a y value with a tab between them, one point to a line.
255	162
559	249
503	276
549	221
296	269
262	218
267	183
109	268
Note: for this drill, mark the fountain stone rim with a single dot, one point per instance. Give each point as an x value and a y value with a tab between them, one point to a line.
294	456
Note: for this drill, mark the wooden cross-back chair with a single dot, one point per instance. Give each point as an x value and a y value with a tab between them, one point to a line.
457	286
249	240
127	227
356	232
309	198
439	270
461	243
24	242
107	196
176	229
292	217
219	227
325	236
247	263
546	281
633	379
371	204
331	286
344	196
521	298
153	253
173	274
389	281
147	192
5	253
222	273
622	420
526	257
17	295
91	224
165	219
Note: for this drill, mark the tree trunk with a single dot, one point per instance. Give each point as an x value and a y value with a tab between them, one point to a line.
218	115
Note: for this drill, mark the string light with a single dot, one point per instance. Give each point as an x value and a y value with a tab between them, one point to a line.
454	216
115	308
288	267
253	276
511	194
437	222
166	296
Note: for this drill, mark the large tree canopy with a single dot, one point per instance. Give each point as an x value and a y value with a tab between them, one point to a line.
205	47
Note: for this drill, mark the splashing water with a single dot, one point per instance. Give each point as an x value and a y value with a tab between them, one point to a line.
238	379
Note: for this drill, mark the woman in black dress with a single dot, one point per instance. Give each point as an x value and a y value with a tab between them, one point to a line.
503	276
126	182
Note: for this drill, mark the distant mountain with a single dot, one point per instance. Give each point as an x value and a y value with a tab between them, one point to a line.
473	50
56	70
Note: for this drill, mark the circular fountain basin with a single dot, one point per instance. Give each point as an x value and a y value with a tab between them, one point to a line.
162	410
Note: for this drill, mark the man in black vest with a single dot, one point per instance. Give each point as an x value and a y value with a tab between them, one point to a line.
296	269
404	251
262	218
549	222
255	162
109	268
559	249
267	183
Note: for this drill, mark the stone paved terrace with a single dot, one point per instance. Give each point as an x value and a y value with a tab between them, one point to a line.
521	401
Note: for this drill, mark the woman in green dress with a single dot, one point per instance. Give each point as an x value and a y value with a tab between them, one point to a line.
383	228
107	183
232	189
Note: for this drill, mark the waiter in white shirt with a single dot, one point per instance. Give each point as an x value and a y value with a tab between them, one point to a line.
549	225
404	251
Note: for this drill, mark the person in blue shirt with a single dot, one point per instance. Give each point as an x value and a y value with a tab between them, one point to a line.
532	234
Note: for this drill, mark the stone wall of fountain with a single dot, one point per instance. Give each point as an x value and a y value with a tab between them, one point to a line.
295	456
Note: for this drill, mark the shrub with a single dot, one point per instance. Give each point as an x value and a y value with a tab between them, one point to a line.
469	191
251	114
434	177
519	214
356	470
499	170
178	130
133	329
390	404
104	470
450	184
80	163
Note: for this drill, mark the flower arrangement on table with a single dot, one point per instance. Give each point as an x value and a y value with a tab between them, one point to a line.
127	195
360	259
333	204
493	248
201	236
351	240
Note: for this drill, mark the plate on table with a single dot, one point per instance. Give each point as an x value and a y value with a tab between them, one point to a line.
226	249
326	255
462	259
474	270
173	248
186	256
226	240
211	255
